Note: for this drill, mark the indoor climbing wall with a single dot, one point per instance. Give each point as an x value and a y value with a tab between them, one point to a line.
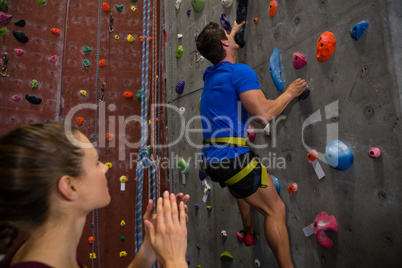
354	104
81	61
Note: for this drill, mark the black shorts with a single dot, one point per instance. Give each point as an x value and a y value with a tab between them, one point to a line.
227	168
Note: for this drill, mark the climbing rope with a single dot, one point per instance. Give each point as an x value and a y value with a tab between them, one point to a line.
171	88
144	161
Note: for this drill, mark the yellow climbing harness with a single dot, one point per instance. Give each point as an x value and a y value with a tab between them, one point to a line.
241	142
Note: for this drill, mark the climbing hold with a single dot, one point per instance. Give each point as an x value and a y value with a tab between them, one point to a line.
91	240
198	5
179	52
116	37
188	262
133	8
277	183
255	20
198	246
139	94
225	22
4	17
177	4
298	60
16	98
33	99
141	38
325	46
273	6
42	2
225	256
130	38
109	136
199	104
323	222
239	237
180	87
209	208
358	29
83	92
105	7
18	51
150	39
20	36
312	156
179	36
275	69
267	129
134	1
3	31
122	238
183	166
293	188
304	95
122	254
86	63
227	3
375	152
53	58
3	4
224	233
199	266
108	164
123	179
128	95
122	223
257	263
20	23
188	12
92	255
119	7
102	63
79	120
34	84
338	155
250	133
196	207
87	49
55	31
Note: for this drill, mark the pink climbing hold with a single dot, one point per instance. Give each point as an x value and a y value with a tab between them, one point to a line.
53	58
375	152
18	51
16	98
4	17
323	222
250	132
298	60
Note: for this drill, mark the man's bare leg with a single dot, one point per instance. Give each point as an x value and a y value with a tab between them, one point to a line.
269	204
246	214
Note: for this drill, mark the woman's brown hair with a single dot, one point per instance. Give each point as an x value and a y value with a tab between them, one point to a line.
32	160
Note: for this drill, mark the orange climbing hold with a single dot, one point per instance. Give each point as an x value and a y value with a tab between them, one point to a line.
325	46
255	20
102	63
312	156
292	188
79	120
91	240
273	6
128	95
55	31
105	7
150	39
109	136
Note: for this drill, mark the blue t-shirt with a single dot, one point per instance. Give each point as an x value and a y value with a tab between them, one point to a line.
222	113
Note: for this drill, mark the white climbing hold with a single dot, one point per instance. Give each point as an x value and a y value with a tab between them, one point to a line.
227	3
177	4
179	36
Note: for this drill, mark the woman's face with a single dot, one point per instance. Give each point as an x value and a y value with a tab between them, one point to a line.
93	185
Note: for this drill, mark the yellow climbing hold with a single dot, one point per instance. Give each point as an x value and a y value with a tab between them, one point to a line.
116	37
108	164
122	223
123	179
133	8
123	254
83	92
92	255
130	38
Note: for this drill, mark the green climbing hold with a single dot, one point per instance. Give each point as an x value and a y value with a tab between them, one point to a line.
119	7
225	256
149	148
198	5
3	5
179	52
209	208
41	1
122	238
86	63
3	31
183	166
87	49
199	266
34	84
139	94
134	1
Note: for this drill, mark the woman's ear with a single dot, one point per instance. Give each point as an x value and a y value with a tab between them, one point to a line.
66	187
225	43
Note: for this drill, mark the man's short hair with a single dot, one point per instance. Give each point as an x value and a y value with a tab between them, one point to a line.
209	43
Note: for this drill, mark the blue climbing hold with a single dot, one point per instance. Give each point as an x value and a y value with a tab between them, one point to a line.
277	184
225	22
338	155
275	69
358	29
180	87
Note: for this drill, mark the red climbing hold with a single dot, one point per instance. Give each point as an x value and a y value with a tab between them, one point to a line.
255	20
102	63
79	120
312	156
325	46
109	137
250	133
91	240
16	98
375	152
298	60
292	188
322	223
18	51
273	6
128	95
55	31
105	7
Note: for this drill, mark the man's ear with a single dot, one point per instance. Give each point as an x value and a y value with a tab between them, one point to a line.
66	187
225	43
